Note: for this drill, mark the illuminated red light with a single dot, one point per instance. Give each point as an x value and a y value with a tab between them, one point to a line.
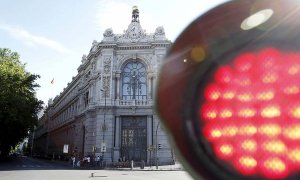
251	113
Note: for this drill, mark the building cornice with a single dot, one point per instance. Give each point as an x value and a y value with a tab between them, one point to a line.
71	86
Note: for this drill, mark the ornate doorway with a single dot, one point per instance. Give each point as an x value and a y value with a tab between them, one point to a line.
134	138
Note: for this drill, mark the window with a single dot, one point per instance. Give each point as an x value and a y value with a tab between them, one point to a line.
134	81
86	99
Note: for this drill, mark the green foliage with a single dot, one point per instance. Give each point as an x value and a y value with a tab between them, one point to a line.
18	104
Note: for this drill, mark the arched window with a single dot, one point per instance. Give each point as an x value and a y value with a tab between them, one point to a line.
134	81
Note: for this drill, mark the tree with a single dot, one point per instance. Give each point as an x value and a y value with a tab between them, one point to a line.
18	104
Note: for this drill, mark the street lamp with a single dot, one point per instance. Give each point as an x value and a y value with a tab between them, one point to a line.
156	146
104	125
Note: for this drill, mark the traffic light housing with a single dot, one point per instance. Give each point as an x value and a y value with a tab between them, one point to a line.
94	149
229	91
159	146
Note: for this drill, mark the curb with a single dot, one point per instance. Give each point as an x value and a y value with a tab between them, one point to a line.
143	169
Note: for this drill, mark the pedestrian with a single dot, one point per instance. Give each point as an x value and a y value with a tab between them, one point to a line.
97	160
78	163
88	160
84	160
73	160
101	162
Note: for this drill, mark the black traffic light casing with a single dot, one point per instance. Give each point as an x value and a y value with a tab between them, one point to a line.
158	146
210	41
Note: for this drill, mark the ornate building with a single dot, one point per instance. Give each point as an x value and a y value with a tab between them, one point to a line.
107	109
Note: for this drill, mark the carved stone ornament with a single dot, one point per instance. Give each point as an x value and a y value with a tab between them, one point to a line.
147	58
107	65
106	86
160	34
135	30
83	59
108	33
134	34
159	31
94	43
94	46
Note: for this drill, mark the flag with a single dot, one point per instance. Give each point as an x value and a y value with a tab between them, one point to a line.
52	82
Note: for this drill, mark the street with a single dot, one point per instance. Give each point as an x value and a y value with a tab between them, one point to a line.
26	163
26	168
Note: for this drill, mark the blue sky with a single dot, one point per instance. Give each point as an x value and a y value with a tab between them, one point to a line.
51	36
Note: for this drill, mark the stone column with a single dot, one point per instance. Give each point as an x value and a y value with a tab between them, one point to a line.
94	89
118	84
81	102
149	82
117	145
91	92
154	84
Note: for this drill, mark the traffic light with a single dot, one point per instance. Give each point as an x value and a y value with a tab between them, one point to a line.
94	149
158	146
229	91
103	147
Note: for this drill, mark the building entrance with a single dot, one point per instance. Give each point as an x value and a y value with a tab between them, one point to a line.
134	138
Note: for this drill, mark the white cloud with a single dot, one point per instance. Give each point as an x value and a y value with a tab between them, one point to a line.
33	40
116	14
174	15
112	14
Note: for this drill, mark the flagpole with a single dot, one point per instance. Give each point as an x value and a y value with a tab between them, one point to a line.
52	86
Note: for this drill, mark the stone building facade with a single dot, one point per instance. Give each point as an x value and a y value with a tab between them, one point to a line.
108	109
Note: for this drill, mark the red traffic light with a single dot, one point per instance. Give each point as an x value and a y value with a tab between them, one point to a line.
229	91
245	116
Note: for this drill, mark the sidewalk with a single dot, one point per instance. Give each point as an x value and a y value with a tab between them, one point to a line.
175	167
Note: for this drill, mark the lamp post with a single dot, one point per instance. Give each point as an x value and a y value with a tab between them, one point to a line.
104	125
156	145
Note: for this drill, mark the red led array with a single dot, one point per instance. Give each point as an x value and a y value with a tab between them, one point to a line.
251	113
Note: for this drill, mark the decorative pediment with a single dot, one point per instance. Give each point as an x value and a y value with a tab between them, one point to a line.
134	33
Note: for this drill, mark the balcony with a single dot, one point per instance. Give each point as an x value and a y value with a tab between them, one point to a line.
135	102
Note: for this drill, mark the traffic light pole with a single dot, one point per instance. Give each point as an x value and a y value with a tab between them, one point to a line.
156	146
